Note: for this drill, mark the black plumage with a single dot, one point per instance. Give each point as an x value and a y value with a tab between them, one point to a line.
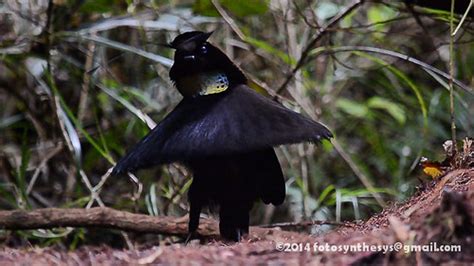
226	139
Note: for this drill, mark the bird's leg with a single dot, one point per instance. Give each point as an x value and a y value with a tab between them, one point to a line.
228	222
234	221
243	223
238	235
194	213
188	238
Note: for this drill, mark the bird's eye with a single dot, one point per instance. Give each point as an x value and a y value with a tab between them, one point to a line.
204	49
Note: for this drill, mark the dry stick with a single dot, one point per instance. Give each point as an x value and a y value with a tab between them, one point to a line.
94	195
86	80
313	42
306	224
451	77
177	192
365	181
228	19
40	167
48	29
466	13
97	188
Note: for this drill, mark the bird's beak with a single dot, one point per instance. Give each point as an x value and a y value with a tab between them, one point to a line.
167	45
203	37
190	44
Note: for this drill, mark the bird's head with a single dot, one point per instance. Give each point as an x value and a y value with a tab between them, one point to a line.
200	68
192	46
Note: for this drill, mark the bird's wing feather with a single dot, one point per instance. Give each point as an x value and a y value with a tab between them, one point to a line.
268	177
236	121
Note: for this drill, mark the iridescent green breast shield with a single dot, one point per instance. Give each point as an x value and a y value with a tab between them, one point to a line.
212	83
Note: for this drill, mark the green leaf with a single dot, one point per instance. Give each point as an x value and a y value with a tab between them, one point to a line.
326	192
271	50
239	8
353	108
327	145
377	14
395	110
97	6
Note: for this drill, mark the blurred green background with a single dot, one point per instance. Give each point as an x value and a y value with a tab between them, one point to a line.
82	81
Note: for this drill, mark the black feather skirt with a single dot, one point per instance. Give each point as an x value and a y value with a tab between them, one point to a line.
237	121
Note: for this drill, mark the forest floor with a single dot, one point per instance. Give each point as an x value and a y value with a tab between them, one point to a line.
440	213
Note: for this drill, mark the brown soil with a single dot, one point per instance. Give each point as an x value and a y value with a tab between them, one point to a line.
441	213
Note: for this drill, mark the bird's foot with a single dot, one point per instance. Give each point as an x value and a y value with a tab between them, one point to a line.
190	236
238	235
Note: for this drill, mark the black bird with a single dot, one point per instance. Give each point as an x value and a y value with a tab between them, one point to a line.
224	132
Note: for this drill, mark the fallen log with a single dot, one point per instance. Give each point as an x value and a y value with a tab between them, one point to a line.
108	218
101	217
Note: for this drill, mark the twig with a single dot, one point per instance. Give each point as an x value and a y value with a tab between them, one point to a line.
40	167
468	9
312	43
300	12
94	195
178	188
365	181
451	78
86	81
138	185
306	224
97	188
48	29
228	20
